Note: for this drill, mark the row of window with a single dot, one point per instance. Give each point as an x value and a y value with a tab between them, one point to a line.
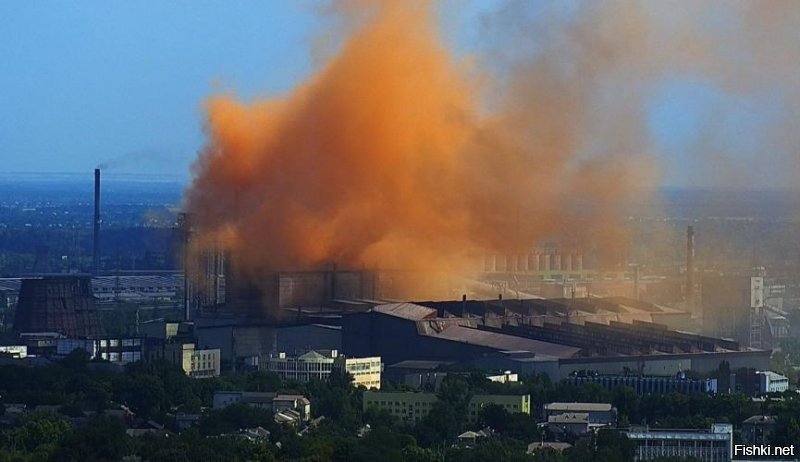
363	366
204	356
399	403
116	342
297	366
126	356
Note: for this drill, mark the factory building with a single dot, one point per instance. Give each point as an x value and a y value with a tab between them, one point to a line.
733	306
277	291
538	336
127	287
243	342
546	263
112	349
138	288
649	385
747	306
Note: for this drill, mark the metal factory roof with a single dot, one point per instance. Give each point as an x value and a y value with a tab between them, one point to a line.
575	407
410	311
10	284
419	364
505	342
569	418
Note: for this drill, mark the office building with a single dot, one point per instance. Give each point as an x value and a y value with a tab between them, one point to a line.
412	407
195	363
319	364
714	445
111	349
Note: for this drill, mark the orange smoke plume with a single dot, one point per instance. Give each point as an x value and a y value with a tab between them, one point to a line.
384	159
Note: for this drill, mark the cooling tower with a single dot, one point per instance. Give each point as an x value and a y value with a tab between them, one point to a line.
62	304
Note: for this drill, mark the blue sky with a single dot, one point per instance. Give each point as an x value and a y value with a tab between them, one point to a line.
87	82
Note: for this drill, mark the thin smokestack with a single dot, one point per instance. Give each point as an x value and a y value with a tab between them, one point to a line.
183	226
96	237
690	267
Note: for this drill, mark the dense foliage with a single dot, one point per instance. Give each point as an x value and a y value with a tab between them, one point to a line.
80	426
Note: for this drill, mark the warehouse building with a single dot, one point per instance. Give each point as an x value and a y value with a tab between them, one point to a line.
537	341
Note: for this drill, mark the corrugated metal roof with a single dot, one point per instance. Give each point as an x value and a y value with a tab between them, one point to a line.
418	364
11	284
569	418
505	342
575	407
410	311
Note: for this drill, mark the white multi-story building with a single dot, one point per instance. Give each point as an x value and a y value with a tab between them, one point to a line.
772	382
715	445
318	364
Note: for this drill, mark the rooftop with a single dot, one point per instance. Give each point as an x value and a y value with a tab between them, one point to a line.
557	445
419	364
686	435
569	418
505	342
410	311
760	420
594	407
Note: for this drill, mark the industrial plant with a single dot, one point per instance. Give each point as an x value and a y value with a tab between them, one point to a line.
400	230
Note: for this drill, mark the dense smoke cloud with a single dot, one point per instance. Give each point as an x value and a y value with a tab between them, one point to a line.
397	154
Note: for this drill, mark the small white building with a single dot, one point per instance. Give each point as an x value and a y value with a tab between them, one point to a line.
772	382
505	377
318	365
283	406
14	351
298	403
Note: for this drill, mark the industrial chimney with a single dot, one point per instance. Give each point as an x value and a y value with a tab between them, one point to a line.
96	238
184	227
690	268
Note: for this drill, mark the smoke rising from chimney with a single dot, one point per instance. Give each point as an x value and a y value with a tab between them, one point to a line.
398	155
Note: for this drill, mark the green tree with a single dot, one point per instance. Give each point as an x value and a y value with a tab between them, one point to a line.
37	431
103	438
264	381
626	401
